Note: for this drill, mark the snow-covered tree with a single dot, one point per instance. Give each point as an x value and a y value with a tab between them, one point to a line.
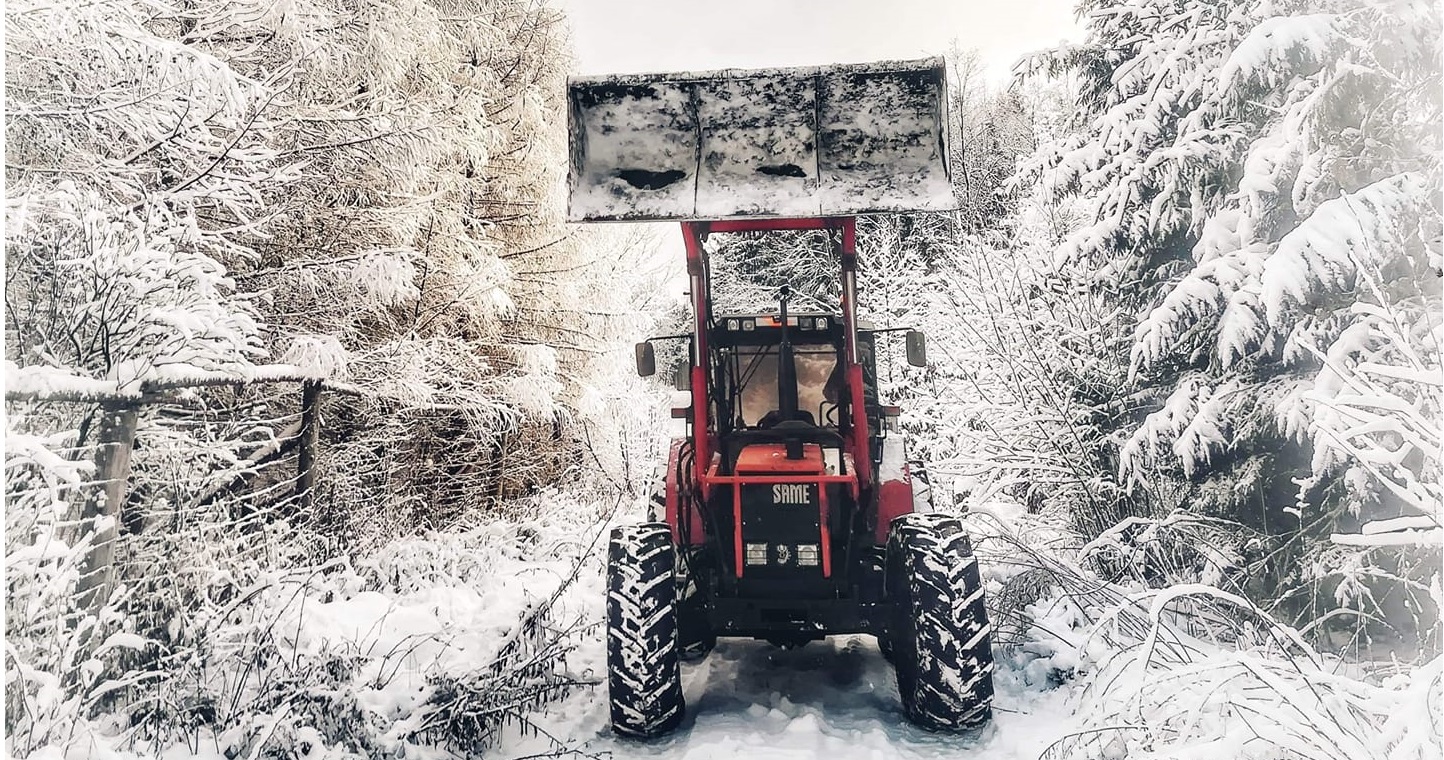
1266	181
367	193
993	131
383	179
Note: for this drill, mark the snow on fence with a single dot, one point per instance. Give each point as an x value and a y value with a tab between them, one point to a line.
96	518
184	572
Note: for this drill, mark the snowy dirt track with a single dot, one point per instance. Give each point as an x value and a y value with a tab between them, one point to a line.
829	699
835	699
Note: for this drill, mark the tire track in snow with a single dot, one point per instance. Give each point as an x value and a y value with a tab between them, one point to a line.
834	699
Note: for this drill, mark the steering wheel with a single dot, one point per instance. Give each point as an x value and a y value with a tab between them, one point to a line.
828	410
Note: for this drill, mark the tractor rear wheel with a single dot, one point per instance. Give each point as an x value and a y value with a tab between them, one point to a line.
942	652
643	678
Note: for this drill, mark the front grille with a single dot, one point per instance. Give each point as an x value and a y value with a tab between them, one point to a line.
781	530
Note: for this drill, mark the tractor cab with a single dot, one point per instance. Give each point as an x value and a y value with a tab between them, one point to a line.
750	384
750	356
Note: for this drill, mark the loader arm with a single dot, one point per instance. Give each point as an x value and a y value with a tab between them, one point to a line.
694	234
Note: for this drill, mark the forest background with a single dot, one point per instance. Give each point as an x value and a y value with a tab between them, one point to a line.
305	264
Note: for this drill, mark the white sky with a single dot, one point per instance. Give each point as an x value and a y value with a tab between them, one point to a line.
631	36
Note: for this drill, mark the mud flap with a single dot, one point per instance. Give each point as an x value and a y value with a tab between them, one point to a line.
807	142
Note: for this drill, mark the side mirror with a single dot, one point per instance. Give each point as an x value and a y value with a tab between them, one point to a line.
647	359
917	348
682	381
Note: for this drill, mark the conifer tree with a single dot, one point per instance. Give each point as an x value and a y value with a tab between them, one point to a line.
1264	180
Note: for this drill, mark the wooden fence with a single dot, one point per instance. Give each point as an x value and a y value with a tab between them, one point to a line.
117	416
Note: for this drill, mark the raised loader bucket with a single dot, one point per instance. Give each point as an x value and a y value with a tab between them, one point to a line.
803	142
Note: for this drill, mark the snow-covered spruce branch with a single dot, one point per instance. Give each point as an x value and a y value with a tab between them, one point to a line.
1189	666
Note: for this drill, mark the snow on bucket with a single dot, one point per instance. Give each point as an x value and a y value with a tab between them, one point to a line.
823	141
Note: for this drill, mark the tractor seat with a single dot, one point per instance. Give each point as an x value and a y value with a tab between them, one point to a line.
774	418
783	432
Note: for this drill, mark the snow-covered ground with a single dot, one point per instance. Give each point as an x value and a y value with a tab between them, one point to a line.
834	699
831	699
405	654
838	698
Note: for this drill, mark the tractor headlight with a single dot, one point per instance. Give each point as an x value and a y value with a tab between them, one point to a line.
822	323
732	325
749	325
757	554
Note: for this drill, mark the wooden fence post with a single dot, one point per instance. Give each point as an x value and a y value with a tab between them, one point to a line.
100	516
310	436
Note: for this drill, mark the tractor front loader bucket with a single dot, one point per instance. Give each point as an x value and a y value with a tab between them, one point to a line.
805	142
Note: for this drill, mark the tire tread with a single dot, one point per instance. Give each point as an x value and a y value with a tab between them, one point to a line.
643	676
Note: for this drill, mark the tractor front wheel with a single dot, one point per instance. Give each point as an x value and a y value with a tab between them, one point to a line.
643	677
941	648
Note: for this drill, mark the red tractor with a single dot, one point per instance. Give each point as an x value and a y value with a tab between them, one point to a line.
788	512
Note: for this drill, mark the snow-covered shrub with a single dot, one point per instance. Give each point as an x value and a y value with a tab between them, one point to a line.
120	298
443	640
238	641
1187	669
1177	549
43	558
1212	675
186	521
1022	392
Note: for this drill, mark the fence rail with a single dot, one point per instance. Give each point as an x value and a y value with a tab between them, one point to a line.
118	412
